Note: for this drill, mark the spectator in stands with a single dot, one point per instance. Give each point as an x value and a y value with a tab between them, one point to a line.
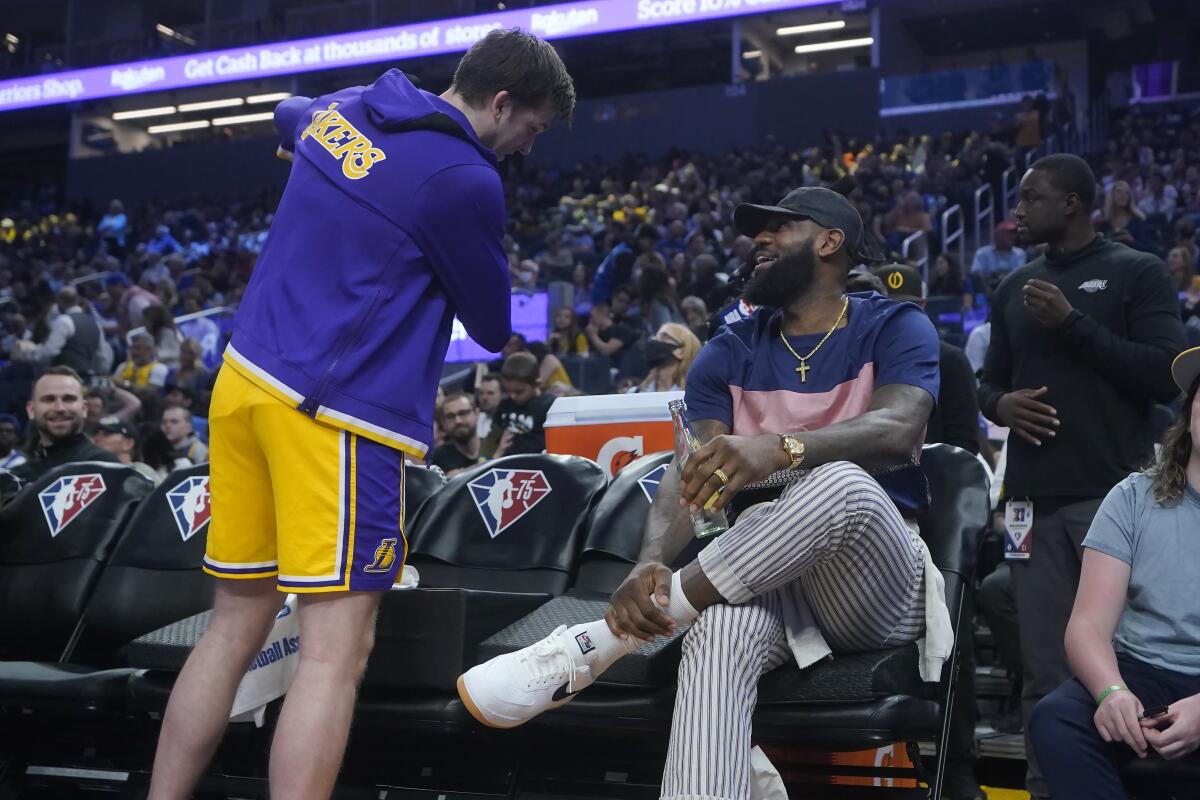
1133	641
669	356
488	394
1181	267
204	330
695	315
121	439
185	398
163	243
656	302
948	280
10	429
567	339
128	302
1185	237
608	337
177	427
993	261
908	217
1121	220
167	340
141	370
1029	127
977	344
517	425
622	308
581	290
57	412
552	375
113	228
781	561
159	454
106	399
1082	342
75	339
1159	197
191	373
617	267
460	451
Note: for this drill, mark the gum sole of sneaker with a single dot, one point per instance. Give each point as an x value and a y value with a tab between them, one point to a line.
465	696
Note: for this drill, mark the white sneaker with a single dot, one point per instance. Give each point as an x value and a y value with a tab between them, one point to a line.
514	688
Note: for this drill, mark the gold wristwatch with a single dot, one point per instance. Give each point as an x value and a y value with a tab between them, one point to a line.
794	448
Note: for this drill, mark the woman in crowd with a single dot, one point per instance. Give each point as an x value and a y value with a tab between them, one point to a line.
1182	267
669	356
655	299
948	279
1133	641
908	217
567	338
167	341
1120	219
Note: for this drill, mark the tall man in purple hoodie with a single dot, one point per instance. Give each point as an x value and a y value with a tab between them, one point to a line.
390	225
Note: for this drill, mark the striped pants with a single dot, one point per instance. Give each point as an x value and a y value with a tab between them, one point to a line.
834	540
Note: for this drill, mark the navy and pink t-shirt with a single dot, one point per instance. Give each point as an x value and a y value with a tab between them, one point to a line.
746	378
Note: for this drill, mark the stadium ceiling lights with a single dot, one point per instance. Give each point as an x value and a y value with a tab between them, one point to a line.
243	118
205	105
843	44
752	54
796	30
160	111
178	126
268	98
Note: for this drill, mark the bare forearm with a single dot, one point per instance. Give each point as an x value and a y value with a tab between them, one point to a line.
875	440
1091	657
669	525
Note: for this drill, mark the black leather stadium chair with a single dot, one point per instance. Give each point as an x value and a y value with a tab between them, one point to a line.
497	542
55	537
152	578
851	702
161	651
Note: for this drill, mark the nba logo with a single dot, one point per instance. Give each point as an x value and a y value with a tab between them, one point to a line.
503	496
66	498
190	505
650	481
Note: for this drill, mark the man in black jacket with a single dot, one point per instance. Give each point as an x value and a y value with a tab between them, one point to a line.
1082	343
57	411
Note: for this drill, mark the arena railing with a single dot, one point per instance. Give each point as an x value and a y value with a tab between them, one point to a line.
953	213
984	212
921	261
1010	188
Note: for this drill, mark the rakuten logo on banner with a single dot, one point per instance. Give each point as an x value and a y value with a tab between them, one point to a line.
365	47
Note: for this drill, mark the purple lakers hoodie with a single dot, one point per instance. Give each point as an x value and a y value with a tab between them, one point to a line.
391	224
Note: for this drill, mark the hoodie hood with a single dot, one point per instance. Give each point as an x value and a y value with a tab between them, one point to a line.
395	105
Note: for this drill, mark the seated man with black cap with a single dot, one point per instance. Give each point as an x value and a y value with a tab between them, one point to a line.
121	438
814	410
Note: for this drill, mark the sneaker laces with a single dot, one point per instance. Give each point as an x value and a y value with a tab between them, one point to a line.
550	662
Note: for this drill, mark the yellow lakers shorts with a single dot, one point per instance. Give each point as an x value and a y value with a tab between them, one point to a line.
317	507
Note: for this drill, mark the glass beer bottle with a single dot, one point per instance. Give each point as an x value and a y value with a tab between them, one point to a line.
705	521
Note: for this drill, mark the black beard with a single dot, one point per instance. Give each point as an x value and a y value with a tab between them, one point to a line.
787	279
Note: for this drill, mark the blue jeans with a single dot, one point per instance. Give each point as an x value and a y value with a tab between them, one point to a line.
1075	761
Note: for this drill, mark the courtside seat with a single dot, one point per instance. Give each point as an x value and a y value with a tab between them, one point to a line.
848	702
496	542
161	653
153	578
55	537
613	542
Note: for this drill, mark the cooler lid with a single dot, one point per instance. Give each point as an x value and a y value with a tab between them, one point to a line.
599	409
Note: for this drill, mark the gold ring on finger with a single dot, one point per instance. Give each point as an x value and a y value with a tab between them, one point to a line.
720	473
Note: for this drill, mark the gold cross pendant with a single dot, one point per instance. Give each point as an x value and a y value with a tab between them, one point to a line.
803	370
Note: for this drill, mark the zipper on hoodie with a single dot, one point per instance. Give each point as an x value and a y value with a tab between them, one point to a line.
311	403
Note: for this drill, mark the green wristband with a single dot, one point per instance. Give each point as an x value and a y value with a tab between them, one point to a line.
1116	688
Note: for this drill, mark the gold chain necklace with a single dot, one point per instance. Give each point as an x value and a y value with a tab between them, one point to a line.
804	368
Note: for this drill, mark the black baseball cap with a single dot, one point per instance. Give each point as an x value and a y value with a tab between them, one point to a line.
901	282
117	425
823	206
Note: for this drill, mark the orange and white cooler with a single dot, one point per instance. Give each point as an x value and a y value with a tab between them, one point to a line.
611	429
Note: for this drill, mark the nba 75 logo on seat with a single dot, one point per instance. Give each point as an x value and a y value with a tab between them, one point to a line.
66	498
189	502
503	496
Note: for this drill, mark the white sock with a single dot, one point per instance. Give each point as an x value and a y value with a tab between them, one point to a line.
679	609
599	645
